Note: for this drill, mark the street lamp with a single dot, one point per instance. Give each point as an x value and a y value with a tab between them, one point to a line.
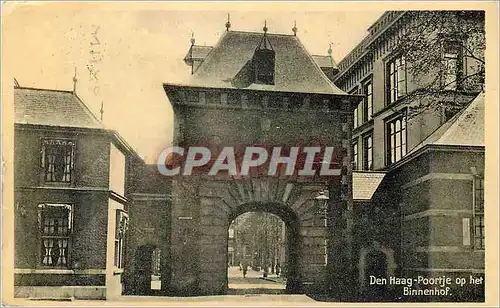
322	200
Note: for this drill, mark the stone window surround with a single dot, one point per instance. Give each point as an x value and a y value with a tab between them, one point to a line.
70	208
43	143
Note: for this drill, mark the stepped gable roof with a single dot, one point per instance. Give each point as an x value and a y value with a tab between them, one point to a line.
365	183
52	108
466	128
229	66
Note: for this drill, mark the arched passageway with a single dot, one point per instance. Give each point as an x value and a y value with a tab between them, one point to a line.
257	253
200	231
262	245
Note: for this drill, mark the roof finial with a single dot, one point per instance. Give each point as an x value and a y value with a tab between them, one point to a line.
74	82
330	50
192	39
228	23
265	27
102	111
294	29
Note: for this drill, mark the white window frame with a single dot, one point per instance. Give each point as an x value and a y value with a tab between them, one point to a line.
396	79
45	237
121	227
478	212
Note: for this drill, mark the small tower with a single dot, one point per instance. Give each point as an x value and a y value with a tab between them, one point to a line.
228	23
101	111
294	29
264	59
334	67
196	54
192	40
75	80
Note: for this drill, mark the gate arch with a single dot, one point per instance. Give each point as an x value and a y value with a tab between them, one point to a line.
203	209
292	223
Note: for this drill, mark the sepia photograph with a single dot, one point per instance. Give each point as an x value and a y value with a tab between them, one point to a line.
249	153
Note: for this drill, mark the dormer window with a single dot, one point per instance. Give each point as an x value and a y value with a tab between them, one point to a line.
263	62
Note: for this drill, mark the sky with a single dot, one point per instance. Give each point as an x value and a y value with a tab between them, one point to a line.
123	52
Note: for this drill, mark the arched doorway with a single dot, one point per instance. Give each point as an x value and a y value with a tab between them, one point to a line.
376	261
269	257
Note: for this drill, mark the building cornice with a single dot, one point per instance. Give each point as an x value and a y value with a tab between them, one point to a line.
435	147
365	44
112	194
115	136
352	97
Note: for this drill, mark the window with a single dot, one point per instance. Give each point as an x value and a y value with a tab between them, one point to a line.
121	228
272	102
396	79
264	63
233	98
396	139
223	98
478	213
448	112
368	153
192	96
58	160
213	98
368	103
355	156
452	65
55	221
355	118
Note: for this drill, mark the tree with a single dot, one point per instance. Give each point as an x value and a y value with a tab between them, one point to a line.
259	230
444	57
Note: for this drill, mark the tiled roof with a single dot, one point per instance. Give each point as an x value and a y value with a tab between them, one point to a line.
365	183
52	108
464	129
228	65
324	61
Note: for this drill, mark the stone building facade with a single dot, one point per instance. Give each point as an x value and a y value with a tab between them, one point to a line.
71	204
418	184
260	89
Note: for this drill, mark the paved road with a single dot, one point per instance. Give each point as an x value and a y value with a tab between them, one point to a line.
253	280
250	300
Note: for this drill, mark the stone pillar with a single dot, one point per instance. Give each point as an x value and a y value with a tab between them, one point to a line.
341	279
184	280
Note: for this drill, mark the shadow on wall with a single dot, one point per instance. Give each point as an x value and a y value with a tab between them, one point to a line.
375	261
146	277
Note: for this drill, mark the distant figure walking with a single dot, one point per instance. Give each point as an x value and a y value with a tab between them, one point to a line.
245	268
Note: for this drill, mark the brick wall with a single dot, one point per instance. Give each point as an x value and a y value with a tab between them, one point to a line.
91	157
